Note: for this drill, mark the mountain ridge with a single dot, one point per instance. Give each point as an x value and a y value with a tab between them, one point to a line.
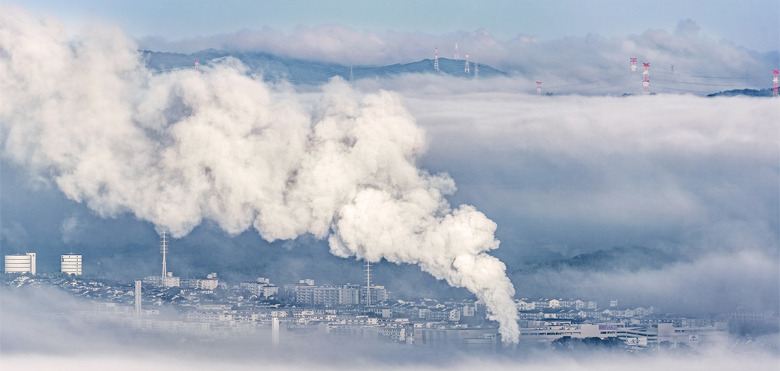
630	258
308	72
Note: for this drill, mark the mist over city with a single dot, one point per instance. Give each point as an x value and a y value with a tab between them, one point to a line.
342	186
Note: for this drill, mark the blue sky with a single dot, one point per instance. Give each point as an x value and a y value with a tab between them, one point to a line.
751	23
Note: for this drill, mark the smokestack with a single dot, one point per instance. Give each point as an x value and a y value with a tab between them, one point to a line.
138	299
275	331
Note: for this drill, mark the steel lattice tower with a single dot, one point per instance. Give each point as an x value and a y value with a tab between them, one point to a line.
436	60
164	251
774	85
539	87
368	283
467	64
646	81
633	64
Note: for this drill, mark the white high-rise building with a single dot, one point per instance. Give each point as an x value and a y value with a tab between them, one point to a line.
71	264
20	263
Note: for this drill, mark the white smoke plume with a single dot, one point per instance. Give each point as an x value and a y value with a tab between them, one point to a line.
179	148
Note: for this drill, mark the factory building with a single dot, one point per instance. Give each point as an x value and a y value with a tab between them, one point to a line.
168	281
305	292
263	287
71	264
210	283
639	336
378	294
20	263
485	339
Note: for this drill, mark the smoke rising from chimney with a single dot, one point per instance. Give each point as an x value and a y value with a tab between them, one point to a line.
182	147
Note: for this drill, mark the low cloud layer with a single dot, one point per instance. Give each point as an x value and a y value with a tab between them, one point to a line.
696	177
39	332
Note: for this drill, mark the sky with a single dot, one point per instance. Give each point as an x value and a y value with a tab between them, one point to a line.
751	23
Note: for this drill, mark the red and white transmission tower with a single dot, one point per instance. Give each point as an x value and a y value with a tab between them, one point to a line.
774	80
457	57
633	64
467	64
436	60
539	87
646	81
196	65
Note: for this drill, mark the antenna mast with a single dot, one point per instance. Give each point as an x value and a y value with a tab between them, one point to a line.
436	60
646	81
368	283
164	251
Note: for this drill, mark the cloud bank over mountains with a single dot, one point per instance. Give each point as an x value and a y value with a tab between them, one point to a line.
696	177
569	59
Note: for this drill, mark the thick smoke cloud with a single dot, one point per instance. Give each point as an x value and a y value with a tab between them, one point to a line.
177	149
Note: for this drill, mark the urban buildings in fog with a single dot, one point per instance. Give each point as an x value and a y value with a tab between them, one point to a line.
169	280
306	292
364	311
262	287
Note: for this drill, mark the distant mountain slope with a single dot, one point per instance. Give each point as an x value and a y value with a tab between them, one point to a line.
748	92
298	71
632	258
